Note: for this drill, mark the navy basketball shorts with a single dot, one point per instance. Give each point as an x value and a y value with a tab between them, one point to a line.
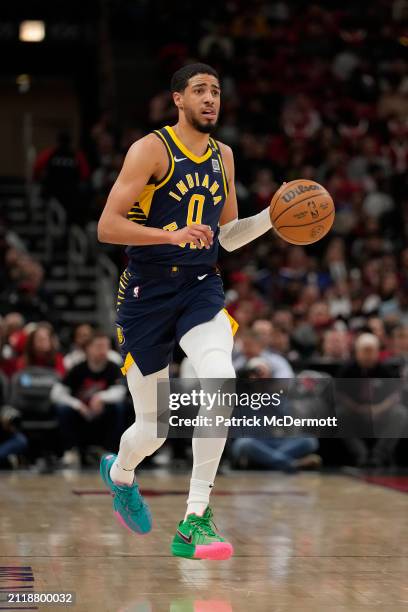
157	305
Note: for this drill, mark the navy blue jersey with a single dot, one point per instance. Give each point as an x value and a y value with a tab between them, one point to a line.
193	190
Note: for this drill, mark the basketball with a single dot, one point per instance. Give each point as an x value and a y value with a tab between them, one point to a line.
302	212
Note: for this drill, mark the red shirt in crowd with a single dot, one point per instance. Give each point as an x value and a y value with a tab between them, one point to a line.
42	362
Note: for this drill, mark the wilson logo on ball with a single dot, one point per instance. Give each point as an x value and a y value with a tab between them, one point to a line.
299	190
302	211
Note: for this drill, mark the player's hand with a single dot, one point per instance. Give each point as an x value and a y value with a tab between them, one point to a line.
198	234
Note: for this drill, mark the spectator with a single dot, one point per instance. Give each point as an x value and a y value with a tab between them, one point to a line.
300	118
253	344
81	336
263	188
336	259
13	322
28	296
319	316
339	300
376	326
286	454
243	291
370	405
308	334
275	342
12	441
280	343
12	341
62	171
216	45
89	400
283	319
399	350
161	109
336	346
41	349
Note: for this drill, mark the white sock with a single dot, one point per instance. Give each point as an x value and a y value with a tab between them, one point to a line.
208	347
121	475
199	496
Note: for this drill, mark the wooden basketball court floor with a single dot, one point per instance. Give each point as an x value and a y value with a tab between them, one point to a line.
306	543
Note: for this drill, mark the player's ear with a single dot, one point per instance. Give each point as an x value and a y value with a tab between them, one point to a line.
178	100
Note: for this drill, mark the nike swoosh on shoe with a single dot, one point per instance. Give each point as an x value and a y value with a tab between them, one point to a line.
186	539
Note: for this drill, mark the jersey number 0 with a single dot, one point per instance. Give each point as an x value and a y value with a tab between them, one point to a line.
194	215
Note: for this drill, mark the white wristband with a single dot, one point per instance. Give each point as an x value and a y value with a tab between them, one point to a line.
238	232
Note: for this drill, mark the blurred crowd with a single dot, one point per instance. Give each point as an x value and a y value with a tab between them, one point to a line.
22	289
318	91
58	405
311	90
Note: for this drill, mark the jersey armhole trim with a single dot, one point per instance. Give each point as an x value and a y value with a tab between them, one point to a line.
219	155
170	169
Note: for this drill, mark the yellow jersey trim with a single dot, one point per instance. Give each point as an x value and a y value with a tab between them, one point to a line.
214	143
185	151
224	178
219	155
169	174
123	283
129	361
234	324
145	200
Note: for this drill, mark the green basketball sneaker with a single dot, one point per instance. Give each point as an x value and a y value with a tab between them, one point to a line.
196	539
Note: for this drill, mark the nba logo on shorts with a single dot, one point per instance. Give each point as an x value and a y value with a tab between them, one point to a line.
216	165
136	292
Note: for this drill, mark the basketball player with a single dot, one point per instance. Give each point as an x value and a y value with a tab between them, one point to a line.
173	203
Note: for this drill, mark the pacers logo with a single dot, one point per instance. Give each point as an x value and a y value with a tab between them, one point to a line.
121	336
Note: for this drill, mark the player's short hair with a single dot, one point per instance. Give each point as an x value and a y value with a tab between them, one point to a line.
181	77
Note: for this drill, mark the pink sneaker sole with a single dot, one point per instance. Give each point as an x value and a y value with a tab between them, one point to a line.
122	522
218	551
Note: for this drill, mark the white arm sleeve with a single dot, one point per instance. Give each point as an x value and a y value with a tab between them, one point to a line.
238	232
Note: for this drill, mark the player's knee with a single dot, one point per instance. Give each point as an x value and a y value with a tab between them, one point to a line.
216	364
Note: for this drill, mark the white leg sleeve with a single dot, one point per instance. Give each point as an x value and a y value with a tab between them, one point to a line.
141	439
208	346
